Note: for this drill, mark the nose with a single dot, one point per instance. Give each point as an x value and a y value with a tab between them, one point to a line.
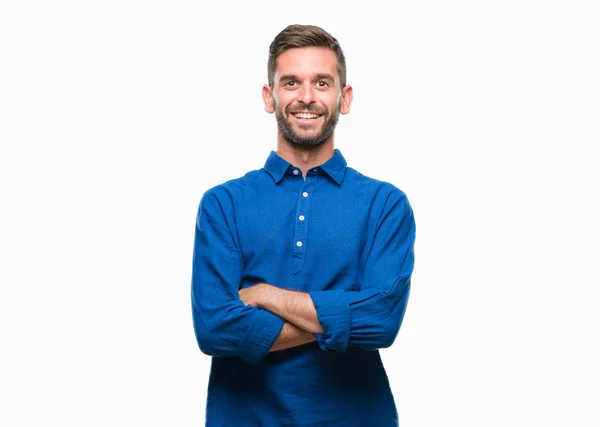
306	94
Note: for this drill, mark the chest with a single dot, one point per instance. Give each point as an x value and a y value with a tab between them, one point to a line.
305	224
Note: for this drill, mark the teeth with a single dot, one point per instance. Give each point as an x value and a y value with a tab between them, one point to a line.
306	115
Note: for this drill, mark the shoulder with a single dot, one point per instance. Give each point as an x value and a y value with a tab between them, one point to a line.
234	188
391	209
378	189
223	197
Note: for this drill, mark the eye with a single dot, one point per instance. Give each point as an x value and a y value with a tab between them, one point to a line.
322	83
291	83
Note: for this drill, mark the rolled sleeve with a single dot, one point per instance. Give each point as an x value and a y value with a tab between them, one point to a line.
260	336
333	312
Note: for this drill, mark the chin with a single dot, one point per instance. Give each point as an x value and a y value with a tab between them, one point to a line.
305	141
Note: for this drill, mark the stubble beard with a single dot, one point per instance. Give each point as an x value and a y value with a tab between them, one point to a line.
292	138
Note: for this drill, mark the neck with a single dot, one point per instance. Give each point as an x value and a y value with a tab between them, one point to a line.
305	157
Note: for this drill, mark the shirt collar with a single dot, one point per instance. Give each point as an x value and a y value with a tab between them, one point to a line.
335	167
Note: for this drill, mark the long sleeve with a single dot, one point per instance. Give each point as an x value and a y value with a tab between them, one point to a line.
223	325
371	317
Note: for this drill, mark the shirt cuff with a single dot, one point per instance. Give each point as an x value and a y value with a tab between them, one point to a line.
333	312
260	336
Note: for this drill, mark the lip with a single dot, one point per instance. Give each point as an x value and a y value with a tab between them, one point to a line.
305	121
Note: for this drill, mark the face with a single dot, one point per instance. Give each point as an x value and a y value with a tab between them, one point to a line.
306	96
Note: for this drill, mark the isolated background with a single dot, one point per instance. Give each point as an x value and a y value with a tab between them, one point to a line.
116	116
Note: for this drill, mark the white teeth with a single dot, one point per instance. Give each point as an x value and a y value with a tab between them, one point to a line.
306	115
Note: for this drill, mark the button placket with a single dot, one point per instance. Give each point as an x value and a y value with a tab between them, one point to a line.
301	224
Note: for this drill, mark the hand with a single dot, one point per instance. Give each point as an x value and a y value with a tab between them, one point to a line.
254	294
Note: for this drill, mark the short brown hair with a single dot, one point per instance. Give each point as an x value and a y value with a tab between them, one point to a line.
296	35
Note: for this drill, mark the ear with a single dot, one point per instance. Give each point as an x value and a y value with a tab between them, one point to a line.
346	99
267	96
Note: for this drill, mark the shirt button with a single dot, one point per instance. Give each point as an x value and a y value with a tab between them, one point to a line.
295	171
298	243
315	170
301	217
305	194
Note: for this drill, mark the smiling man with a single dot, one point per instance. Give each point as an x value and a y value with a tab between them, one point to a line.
311	94
302	269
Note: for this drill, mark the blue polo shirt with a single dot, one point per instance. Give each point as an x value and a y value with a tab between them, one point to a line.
344	238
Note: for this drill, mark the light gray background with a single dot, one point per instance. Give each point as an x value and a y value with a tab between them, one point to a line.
116	116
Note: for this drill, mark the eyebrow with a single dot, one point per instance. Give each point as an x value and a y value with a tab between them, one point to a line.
325	76
320	76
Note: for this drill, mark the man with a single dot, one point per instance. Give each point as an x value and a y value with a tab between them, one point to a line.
301	269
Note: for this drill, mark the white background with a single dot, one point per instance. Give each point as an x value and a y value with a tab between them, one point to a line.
116	116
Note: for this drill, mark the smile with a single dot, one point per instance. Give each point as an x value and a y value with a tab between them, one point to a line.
308	116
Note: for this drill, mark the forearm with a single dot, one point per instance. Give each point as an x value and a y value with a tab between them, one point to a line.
293	306
292	336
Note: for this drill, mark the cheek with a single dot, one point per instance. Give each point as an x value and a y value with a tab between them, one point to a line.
331	102
281	106
283	98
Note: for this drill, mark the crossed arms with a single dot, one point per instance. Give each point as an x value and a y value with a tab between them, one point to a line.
296	308
253	321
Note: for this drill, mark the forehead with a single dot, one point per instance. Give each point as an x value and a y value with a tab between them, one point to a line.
307	60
